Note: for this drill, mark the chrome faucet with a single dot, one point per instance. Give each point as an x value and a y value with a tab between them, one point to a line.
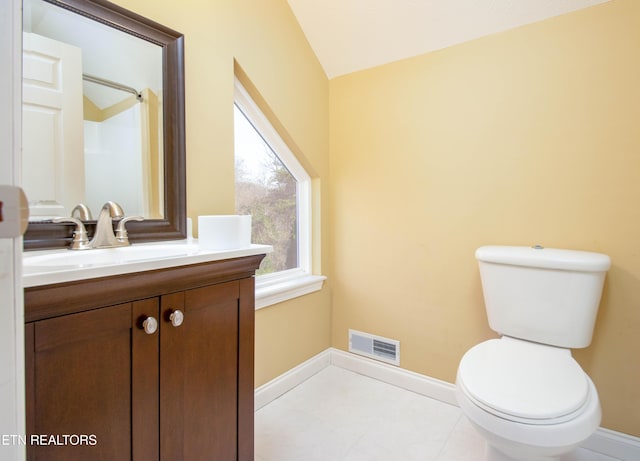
104	236
82	212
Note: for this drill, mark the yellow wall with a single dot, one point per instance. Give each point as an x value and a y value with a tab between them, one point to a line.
263	40
528	136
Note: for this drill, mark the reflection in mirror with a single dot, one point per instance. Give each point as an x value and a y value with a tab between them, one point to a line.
103	118
92	114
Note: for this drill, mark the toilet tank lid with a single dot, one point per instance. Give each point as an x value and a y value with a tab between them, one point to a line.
548	258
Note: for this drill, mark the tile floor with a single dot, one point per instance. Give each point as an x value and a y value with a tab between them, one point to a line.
338	415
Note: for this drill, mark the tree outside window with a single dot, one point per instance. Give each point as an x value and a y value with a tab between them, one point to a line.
266	190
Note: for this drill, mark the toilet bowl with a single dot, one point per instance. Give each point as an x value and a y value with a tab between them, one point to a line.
531	402
524	392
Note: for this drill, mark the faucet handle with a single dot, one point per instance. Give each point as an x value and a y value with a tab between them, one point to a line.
80	237
121	230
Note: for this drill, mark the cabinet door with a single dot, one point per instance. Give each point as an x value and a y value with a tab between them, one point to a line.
199	374
91	379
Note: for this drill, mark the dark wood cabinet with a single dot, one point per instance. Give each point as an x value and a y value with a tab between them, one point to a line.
80	368
102	387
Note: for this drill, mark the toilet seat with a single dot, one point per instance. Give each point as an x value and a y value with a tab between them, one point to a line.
524	382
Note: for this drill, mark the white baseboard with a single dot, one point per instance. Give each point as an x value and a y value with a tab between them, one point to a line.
615	444
607	442
415	382
282	384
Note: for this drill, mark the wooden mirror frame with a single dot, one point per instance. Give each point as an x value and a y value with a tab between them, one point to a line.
42	235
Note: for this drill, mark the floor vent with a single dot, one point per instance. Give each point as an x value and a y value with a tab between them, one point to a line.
375	347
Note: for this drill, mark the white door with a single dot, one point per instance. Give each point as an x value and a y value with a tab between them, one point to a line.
53	126
12	420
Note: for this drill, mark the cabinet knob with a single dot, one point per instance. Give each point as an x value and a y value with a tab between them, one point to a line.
176	317
150	325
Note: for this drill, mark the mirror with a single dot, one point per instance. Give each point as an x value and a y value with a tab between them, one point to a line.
125	135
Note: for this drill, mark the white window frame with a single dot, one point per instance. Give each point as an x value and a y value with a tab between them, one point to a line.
283	285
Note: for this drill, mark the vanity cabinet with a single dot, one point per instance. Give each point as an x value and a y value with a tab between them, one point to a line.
106	383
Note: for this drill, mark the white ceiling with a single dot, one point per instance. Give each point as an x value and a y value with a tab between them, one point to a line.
351	35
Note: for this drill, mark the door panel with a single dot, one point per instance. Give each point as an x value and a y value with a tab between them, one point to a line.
12	392
207	380
82	384
53	126
211	366
80	370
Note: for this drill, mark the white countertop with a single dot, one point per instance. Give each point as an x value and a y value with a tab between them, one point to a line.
44	267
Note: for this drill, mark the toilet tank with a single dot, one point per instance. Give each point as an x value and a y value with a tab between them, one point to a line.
545	295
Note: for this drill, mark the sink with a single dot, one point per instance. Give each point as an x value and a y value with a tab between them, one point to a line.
106	256
57	266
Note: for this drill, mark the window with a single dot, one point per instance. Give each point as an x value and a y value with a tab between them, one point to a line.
266	190
275	190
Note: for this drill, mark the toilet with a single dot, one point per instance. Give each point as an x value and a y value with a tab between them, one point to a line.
524	392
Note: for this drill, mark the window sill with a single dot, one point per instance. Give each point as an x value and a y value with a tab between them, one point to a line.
270	291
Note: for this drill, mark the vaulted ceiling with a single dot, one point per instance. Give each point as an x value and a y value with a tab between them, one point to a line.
352	35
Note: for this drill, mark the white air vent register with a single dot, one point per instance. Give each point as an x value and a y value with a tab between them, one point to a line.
375	347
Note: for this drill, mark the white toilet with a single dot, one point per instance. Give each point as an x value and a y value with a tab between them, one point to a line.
524	392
